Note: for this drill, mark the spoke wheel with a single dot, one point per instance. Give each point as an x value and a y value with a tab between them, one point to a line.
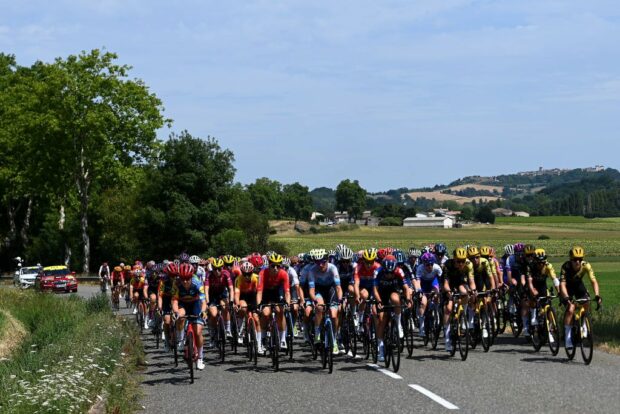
486	336
189	354
463	335
409	335
221	339
436	327
395	347
454	335
274	346
570	352
289	334
329	345
373	341
173	339
553	331
235	332
157	329
587	339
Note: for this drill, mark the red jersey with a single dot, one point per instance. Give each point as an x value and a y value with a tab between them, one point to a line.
217	283
117	276
364	274
267	280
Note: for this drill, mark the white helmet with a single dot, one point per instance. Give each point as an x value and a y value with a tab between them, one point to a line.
194	259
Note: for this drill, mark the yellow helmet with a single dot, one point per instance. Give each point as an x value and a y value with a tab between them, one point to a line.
460	253
127	267
217	263
228	259
118	269
275	258
472	251
485	251
370	255
529	249
576	252
540	255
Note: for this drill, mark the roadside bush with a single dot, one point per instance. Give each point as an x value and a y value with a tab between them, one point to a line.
391	221
279	247
543	237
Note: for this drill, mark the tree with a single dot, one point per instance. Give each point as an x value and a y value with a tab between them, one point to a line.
296	201
266	196
485	215
351	197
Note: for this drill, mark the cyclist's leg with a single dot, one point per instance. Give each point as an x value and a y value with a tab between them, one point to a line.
318	316
180	324
225	314
421	312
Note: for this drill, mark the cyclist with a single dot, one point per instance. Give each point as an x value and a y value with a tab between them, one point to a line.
293	279
517	269
219	291
387	285
441	254
458	277
487	252
483	278
196	262
324	289
127	275
364	280
536	277
104	275
138	290
164	298
571	285
231	267
346	270
117	280
426	281
188	299
152	277
508	251
245	296
271	281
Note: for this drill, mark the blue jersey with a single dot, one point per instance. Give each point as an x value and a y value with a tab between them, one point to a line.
319	279
346	272
195	291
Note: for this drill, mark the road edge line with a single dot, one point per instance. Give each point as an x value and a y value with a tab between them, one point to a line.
434	397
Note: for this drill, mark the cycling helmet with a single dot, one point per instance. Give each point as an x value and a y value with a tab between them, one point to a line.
203	262
171	269
165	262
318	254
217	263
472	251
177	262
340	247
389	251
150	264
274	258
440	248
529	249
540	255
346	254
576	252
246	267
159	267
400	257
413	252
425	249
428	258
381	253
228	259
519	248
186	271
331	253
492	251
269	253
286	262
509	249
485	251
460	253
127	267
389	265
257	261
194	260
370	255
184	257
118	269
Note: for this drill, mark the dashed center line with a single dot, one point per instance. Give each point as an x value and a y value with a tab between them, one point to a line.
434	397
385	371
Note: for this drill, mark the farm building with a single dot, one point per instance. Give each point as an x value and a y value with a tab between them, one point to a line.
444	222
521	214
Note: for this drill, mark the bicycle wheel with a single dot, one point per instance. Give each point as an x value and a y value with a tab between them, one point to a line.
253	345
570	352
485	330
329	345
366	339
387	344
189	354
501	317
140	319
235	332
537	335
409	334
373	341
221	338
463	333
157	329
587	338
454	334
275	346
345	332
427	323
473	332
395	347
322	345
553	331
289	334
436	328
173	339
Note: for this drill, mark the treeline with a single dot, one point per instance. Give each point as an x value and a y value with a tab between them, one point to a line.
84	178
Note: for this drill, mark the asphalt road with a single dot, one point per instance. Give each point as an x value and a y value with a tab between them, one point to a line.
510	378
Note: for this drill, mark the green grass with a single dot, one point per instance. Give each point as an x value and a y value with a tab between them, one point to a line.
553	220
72	353
2	322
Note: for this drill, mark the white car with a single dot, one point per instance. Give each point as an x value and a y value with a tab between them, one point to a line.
26	276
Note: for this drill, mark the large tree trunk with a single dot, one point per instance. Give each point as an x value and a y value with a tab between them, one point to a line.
26	226
10	238
61	226
83	184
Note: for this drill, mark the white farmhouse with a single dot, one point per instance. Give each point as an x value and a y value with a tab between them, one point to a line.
442	222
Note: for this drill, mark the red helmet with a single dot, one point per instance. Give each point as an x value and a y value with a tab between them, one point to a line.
381	253
389	251
256	260
172	269
246	267
186	271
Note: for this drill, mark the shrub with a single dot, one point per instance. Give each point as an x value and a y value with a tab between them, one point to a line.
543	237
391	221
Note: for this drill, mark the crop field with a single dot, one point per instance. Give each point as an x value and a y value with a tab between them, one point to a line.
600	237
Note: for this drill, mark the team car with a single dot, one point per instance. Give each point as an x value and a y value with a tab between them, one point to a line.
57	279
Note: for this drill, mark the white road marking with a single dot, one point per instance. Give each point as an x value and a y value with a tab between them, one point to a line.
434	397
385	371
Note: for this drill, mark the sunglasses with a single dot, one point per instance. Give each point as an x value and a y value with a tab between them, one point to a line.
274	265
321	262
460	261
577	260
369	262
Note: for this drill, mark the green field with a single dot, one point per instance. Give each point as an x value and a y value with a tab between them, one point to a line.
600	237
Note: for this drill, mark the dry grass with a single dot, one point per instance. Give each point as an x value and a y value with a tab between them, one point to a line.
11	336
478	187
438	196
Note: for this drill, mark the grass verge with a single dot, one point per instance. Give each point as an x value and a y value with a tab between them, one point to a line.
75	353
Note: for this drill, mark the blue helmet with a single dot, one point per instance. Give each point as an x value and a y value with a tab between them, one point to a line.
389	265
399	256
440	248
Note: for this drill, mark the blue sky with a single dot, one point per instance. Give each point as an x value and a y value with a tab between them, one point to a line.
393	93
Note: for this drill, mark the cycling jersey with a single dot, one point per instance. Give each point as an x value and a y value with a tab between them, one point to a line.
346	273
364	275
193	293
517	267
574	279
429	278
116	278
153	279
539	276
201	273
482	274
268	280
457	277
138	282
386	282
409	271
165	288
245	286
218	283
504	265
319	279
293	278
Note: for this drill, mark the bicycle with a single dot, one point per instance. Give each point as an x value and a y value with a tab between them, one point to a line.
582	332
234	329
459	329
501	303
369	329
348	335
249	337
273	336
288	318
190	349
158	321
220	334
432	320
546	327
408	322
327	338
482	324
116	298
391	339
514	309
141	315
103	282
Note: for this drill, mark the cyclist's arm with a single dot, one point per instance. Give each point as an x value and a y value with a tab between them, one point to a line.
339	292
206	288
593	280
311	288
